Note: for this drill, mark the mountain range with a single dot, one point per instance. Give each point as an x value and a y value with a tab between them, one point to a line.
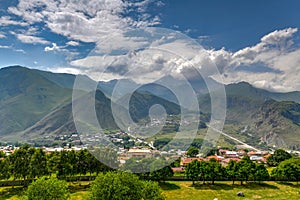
34	103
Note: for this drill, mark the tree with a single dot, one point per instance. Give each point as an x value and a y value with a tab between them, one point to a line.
246	168
288	169
160	170
192	152
4	168
72	160
116	186
139	167
38	164
151	191
64	165
214	170
20	162
53	162
203	171
106	157
82	162
232	170
261	173
278	156
50	189
192	170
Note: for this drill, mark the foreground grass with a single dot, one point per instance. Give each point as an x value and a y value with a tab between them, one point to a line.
185	190
227	191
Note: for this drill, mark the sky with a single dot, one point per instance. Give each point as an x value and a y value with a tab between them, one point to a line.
254	41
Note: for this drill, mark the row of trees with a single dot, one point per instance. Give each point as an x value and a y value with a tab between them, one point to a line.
287	170
28	162
149	168
111	185
244	170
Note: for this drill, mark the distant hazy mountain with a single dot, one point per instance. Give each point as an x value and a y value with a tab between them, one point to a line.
257	115
25	97
35	103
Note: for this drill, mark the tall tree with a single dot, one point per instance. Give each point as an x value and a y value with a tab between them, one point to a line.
53	162
192	151
261	173
64	165
4	168
232	170
192	170
203	171
38	164
160	170
278	156
20	162
82	162
214	170
246	169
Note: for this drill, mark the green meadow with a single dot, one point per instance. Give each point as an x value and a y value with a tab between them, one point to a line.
184	190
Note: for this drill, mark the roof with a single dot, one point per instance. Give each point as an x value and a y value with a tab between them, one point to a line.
139	151
178	169
217	158
189	160
227	160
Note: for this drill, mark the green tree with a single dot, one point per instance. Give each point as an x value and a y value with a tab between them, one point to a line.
116	186
192	170
50	189
64	165
232	170
53	162
261	173
160	170
20	162
82	162
106	159
38	164
4	168
288	169
72	159
246	168
140	167
192	151
214	170
278	156
151	191
203	171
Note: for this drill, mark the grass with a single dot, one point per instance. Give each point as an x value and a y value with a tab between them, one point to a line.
226	191
185	190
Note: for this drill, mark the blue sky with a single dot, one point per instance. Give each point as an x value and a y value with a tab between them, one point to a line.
254	41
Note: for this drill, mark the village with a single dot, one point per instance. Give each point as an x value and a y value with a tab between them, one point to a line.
128	146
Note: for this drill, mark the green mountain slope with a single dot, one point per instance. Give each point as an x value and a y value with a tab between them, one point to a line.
26	97
278	124
35	103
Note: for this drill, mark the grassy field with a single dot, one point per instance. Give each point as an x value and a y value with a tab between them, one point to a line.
185	191
225	191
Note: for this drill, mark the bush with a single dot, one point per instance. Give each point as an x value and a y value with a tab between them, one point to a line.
151	191
123	186
49	189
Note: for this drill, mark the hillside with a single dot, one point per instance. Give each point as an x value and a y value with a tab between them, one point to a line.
278	124
26	97
35	103
260	117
